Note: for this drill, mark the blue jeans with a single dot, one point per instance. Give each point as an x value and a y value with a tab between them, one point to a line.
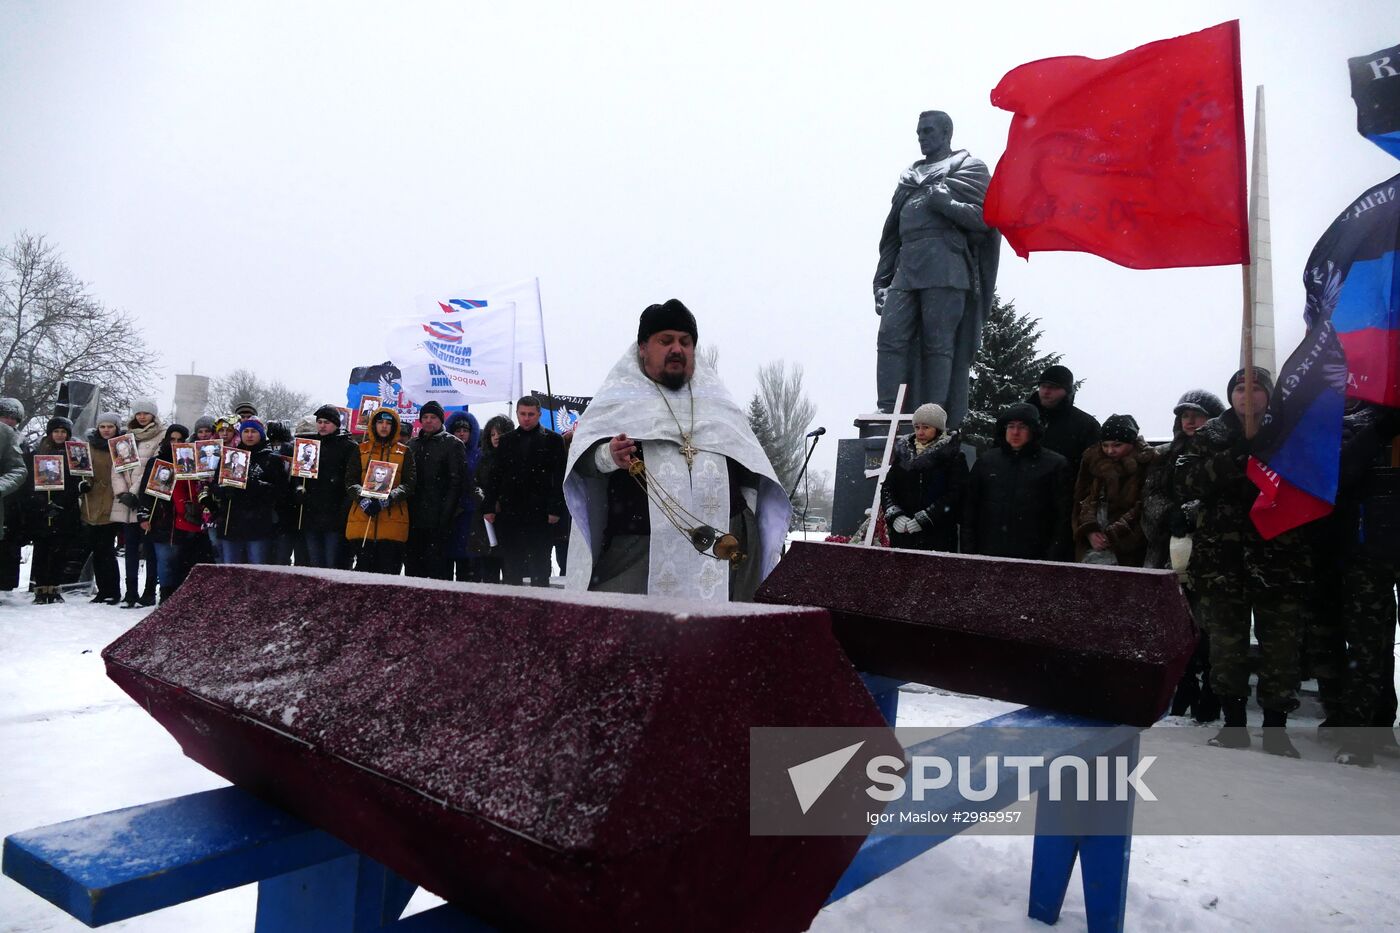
323	547
245	552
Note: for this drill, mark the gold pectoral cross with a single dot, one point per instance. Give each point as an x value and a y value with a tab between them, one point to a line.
688	451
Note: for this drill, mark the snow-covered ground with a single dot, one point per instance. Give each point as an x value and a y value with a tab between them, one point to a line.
73	744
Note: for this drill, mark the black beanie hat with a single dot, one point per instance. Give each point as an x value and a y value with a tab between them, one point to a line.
1261	378
1122	428
58	421
669	315
432	407
1057	376
330	412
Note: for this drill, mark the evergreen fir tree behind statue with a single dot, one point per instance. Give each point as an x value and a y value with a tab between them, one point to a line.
1005	371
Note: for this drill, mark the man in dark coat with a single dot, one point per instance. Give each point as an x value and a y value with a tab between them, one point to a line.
923	491
322	503
1018	494
441	464
525	495
1069	431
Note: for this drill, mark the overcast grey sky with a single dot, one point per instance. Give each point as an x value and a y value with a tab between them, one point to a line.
266	184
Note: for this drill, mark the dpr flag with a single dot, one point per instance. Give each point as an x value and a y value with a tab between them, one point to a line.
559	413
456	351
1353	280
1352	350
1139	158
1297	452
1375	86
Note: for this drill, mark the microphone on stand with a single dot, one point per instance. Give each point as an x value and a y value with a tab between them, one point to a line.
807	496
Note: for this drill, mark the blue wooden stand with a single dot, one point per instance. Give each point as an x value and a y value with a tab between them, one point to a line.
126	863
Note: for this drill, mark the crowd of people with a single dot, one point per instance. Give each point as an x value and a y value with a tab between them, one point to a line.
1058	485
456	501
384	502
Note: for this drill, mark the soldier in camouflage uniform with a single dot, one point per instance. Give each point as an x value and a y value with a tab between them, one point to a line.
1359	642
1235	572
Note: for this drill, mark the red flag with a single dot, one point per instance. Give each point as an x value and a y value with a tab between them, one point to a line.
1137	158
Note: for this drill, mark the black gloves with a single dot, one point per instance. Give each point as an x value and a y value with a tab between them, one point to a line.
84	488
53	510
370	506
298	494
128	499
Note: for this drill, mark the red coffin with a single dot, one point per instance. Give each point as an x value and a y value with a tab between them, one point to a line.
546	762
1110	643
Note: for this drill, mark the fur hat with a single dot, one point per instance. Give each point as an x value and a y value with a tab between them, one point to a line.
12	408
931	415
1261	378
1121	428
108	417
1207	403
1057	376
184	431
144	404
255	424
431	407
669	315
56	422
204	421
279	432
330	412
1024	412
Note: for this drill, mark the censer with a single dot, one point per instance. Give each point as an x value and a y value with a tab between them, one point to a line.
706	539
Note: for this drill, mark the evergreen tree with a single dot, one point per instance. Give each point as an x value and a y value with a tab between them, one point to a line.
763	428
1006	368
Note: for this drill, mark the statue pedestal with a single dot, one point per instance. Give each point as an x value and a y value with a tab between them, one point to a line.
854	455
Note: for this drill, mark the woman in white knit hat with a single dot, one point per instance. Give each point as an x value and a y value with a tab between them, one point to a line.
923	493
145	425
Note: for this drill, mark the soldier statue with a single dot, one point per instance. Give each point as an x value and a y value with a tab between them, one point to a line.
937	271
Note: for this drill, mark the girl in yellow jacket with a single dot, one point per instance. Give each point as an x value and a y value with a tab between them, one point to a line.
377	529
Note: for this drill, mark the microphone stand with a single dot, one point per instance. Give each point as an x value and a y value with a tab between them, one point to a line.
801	478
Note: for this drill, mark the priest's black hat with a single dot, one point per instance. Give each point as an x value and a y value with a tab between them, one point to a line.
669	315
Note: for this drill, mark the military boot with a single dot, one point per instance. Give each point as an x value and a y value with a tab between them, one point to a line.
1276	740
1234	734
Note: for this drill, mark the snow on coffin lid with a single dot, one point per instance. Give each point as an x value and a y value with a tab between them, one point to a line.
546	762
1105	642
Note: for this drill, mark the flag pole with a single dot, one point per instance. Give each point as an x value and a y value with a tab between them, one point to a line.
548	389
1246	269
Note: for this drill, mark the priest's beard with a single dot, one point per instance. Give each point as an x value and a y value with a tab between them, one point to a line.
673	381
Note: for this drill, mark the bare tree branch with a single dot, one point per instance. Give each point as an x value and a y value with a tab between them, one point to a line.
52	330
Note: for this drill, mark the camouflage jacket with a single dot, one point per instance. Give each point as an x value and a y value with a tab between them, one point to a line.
1227	551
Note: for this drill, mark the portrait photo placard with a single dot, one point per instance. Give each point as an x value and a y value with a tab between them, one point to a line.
48	472
161	483
306	458
368	404
186	460
233	469
208	454
125	455
79	457
379	479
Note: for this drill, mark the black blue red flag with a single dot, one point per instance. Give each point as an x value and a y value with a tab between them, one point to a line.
1352	350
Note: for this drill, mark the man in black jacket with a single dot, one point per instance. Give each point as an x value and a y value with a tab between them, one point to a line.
525	496
441	465
323	502
1018	495
1069	431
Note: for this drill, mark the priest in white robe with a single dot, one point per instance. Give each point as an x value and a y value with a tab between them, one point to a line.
700	455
